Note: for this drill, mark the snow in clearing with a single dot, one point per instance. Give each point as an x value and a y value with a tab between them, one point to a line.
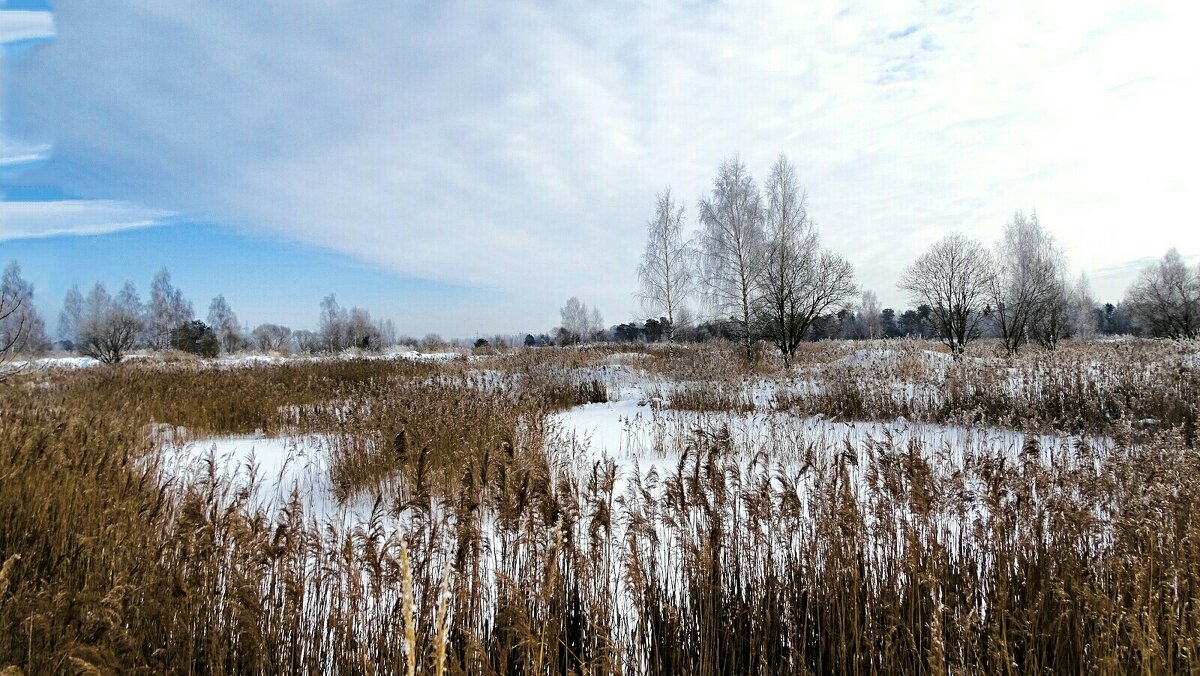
638	437
58	362
420	356
279	466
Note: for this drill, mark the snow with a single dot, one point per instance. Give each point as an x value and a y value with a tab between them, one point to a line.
278	466
421	356
59	362
638	437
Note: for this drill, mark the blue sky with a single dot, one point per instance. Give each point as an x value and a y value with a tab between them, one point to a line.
263	278
467	166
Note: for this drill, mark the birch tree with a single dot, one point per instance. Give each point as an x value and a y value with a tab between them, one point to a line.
272	337
579	323
224	323
1165	298
1027	282
799	280
733	248
872	323
108	329
953	280
665	272
70	319
14	325
1083	309
21	326
168	310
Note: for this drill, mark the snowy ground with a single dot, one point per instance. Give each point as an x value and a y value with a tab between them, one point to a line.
280	467
637	431
241	359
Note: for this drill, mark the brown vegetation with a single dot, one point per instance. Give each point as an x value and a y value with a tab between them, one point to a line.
491	557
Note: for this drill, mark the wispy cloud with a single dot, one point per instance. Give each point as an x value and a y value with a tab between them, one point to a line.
25	25
519	145
23	220
15	154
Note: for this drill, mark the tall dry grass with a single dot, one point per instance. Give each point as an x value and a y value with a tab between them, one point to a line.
496	558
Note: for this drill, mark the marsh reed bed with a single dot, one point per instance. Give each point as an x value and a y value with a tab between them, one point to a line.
496	554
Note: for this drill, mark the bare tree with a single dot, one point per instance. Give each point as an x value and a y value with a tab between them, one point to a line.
872	324
127	299
70	319
387	332
579	323
953	279
168	310
1026	284
1165	298
1052	322
21	326
307	342
1082	309
272	337
14	336
798	279
666	269
361	332
224	323
595	324
333	324
732	248
108	329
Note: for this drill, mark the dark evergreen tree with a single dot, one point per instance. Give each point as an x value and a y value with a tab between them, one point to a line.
196	337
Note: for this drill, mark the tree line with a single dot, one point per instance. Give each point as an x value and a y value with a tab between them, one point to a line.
753	270
755	267
107	327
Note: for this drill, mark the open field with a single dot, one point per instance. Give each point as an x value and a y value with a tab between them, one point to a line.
877	507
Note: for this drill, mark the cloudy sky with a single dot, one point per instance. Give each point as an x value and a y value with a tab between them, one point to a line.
465	167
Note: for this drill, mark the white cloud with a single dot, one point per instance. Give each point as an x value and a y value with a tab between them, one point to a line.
18	25
520	145
23	220
14	153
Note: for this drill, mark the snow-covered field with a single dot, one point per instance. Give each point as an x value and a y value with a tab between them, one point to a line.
238	360
637	431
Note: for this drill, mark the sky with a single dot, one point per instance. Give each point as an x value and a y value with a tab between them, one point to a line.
465	167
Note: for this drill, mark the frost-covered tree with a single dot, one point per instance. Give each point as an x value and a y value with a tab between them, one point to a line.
21	326
70	319
130	301
307	342
360	331
1052	322
224	323
574	321
332	324
732	247
665	273
1083	311
342	328
1165	298
272	337
386	329
953	280
167	310
872	320
798	279
108	328
595	323
579	323
1027	282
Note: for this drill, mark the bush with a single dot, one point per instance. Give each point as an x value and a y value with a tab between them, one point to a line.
196	337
